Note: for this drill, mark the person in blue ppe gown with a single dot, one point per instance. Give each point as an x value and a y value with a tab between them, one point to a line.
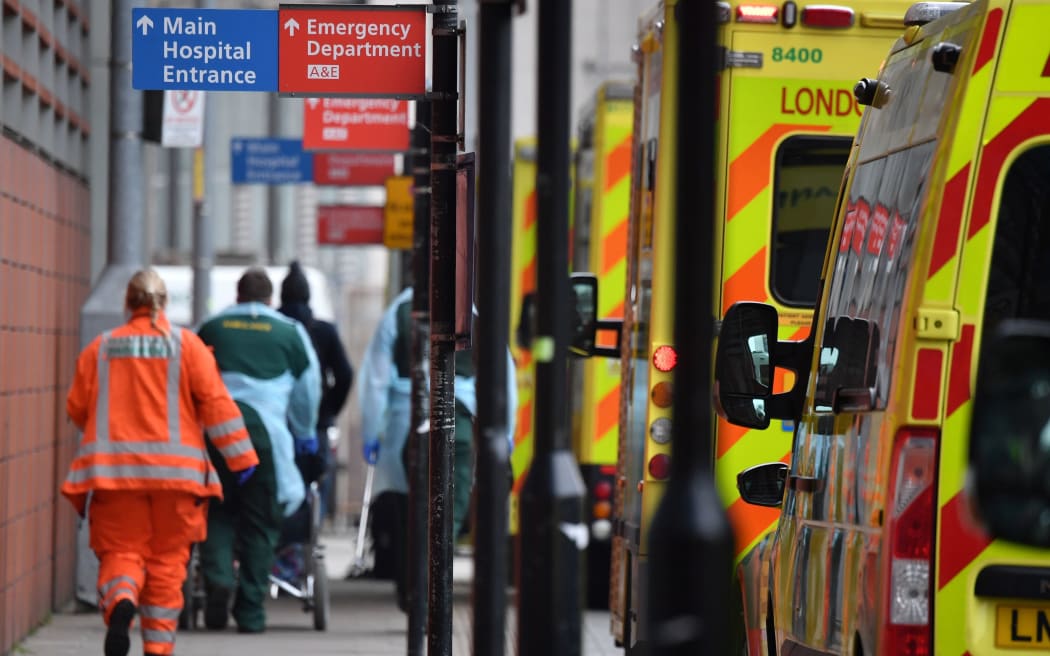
385	396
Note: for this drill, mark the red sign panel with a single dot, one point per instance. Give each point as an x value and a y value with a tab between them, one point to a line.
347	225
879	221
352	168
896	233
356	50
860	225
350	124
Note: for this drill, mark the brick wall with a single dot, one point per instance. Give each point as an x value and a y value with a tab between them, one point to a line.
44	279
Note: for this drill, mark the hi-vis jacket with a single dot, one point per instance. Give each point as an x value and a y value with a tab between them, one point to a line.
145	402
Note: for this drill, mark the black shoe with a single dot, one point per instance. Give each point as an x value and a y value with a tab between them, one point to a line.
117	641
217	609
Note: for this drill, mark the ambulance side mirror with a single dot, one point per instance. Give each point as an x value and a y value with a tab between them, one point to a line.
747	357
744	364
584	319
763	485
1009	454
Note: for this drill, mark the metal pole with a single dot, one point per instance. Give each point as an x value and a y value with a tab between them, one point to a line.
416	456
493	237
552	533
273	196
203	207
178	199
445	70
691	544
126	198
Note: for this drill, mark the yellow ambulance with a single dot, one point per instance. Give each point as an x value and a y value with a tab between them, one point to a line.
522	284
941	232
601	205
786	118
601	189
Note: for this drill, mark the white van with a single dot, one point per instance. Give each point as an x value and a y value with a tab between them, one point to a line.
179	280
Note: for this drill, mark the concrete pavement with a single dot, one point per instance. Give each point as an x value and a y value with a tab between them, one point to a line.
364	621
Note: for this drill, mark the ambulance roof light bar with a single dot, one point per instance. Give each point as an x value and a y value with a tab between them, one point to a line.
832	16
757	14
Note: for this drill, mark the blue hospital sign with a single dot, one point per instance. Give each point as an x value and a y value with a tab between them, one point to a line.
204	49
263	160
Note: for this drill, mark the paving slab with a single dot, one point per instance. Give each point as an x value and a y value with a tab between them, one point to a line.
364	621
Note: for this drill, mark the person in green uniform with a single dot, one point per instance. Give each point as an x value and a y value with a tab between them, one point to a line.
270	368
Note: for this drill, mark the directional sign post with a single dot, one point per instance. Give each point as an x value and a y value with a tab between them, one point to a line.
346	169
399	214
355	50
270	161
349	225
355	124
204	49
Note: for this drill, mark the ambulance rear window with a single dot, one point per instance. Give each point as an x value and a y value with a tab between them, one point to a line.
1019	280
806	184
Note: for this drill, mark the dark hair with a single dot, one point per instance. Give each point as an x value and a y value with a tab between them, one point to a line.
295	288
254	285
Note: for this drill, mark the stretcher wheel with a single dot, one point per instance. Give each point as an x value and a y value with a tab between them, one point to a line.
320	600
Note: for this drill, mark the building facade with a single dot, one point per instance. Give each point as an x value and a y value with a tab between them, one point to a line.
45	226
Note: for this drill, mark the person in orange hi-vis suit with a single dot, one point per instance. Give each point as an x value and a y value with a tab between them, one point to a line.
145	395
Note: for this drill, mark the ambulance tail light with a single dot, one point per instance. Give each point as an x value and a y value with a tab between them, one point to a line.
665	358
660	466
757	14
908	625
827	16
601	502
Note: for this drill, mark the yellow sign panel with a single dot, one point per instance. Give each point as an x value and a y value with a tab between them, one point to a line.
1026	627
399	213
198	174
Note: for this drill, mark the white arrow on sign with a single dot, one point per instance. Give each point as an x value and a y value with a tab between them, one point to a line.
144	24
291	25
312	102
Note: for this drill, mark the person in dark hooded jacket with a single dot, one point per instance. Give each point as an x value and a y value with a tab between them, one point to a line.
337	374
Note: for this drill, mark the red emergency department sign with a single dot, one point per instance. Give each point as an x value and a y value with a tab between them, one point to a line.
347	169
355	50
355	124
348	225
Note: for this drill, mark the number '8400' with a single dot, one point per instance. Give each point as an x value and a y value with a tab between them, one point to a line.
800	55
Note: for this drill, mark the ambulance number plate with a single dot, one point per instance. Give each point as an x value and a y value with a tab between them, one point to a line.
1026	627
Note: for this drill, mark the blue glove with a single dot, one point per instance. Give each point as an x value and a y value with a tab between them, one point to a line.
370	451
306	446
244	475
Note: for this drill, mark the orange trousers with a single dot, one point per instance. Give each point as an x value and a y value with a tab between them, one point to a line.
142	540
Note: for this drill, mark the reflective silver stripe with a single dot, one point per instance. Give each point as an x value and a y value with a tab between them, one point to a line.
102	404
225	428
239	447
136	448
104	589
160	612
139	346
152	472
174	364
155	636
